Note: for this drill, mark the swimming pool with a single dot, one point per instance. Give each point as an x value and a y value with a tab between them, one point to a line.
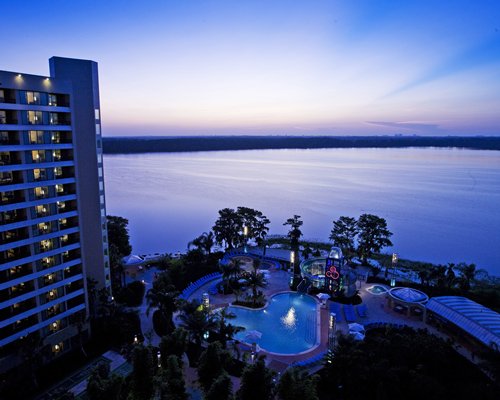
377	289
287	324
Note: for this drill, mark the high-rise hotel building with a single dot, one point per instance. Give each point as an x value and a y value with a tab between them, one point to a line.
53	236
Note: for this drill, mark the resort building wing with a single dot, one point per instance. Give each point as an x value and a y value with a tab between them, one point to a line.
479	322
53	233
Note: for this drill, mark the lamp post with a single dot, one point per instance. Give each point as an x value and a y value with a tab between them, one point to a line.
245	233
332	326
394	264
205	300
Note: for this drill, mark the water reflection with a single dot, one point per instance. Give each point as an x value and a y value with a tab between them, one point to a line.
441	204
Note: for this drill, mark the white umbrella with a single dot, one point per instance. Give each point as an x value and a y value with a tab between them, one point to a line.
355	327
357	335
253	335
323	296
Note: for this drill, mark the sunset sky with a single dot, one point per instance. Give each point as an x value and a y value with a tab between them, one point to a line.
304	67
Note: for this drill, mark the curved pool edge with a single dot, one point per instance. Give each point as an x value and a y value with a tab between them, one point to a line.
318	325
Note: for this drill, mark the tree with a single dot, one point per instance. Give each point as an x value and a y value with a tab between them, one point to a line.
256	382
255	280
164	296
221	389
197	323
211	365
118	246
373	235
226	330
294	235
450	275
174	343
307	251
172	384
255	222
204	242
103	386
467	274
343	234
230	226
227	228
141	381
296	384
401	364
231	272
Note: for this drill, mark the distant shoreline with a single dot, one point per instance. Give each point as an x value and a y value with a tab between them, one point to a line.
165	144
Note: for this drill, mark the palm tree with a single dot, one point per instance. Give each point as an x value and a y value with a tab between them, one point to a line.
450	275
255	281
165	299
238	292
230	273
225	329
198	324
307	251
467	275
204	242
294	235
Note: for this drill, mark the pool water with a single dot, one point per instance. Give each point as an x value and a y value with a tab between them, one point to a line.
377	289
287	324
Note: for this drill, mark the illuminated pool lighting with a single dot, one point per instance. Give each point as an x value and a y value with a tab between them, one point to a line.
289	320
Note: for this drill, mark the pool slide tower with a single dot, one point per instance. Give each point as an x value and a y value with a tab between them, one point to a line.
331	274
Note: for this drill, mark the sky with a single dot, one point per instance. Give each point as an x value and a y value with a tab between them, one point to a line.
305	67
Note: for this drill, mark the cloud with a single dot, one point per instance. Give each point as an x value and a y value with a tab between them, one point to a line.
417	127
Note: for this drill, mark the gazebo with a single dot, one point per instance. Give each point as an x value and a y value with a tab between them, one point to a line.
407	300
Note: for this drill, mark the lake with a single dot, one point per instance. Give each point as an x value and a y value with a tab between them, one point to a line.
441	204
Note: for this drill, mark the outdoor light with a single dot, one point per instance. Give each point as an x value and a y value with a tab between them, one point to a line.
245	230
205	301
19	76
206	335
292	257
393	282
136	339
158	356
394	258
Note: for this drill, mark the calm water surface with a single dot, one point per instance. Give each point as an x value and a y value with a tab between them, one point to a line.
441	204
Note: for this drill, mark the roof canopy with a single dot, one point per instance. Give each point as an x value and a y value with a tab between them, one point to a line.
475	319
408	295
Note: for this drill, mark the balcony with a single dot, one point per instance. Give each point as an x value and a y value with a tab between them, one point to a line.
7	96
11	197
9	137
9	217
58	137
72	271
15	272
13	235
59	118
11	178
14	254
8	117
9	158
18	326
41	211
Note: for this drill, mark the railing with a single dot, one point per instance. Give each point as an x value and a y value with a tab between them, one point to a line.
303	286
199	283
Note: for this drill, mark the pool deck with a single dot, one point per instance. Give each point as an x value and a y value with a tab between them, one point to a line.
377	310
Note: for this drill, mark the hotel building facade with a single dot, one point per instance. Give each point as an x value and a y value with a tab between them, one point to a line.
53	237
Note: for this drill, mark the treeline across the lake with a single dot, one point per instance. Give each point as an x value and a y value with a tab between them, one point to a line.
164	144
